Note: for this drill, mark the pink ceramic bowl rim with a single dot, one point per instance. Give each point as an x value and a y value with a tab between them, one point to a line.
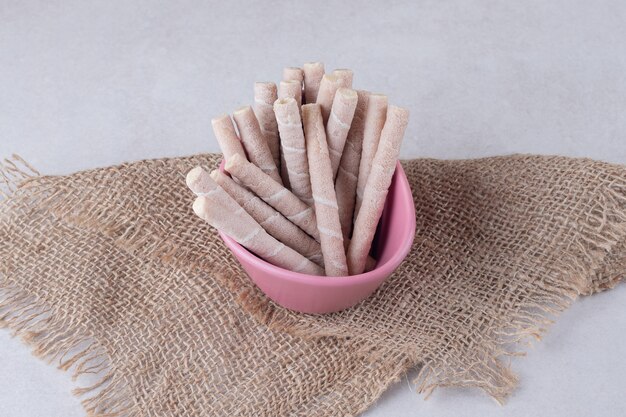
374	275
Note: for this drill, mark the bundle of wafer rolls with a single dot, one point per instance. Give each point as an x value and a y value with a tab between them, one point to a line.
307	170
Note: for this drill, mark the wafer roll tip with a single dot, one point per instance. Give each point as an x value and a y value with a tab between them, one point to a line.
345	75
199	206
242	110
313	64
220	119
193	177
330	78
401	113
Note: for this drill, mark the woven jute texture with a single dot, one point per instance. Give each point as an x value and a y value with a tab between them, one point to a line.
109	274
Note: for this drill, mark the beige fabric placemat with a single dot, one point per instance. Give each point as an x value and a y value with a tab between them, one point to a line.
109	272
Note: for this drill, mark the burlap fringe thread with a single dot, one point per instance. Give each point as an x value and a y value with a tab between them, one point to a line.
56	341
51	340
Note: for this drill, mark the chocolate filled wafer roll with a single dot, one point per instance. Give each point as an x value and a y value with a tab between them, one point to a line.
221	211
326	94
227	138
293	147
338	125
274	194
265	94
378	182
323	188
254	142
313	73
272	221
374	122
347	175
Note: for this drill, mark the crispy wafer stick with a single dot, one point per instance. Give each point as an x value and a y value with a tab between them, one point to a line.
254	142
338	125
378	182
313	73
227	137
291	89
345	75
293	147
293	74
221	211
323	188
265	94
272	221
274	194
374	122
326	94
347	175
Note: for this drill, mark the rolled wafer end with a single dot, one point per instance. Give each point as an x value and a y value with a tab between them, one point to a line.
265	92
293	74
291	89
226	136
243	110
218	120
313	67
193	179
397	120
286	111
344	106
345	75
313	73
200	181
199	206
326	94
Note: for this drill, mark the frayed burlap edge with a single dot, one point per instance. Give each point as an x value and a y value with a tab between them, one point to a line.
489	370
52	339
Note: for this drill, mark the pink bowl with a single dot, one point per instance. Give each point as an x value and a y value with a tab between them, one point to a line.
314	294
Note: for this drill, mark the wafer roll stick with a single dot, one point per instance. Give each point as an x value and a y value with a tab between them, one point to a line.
345	75
347	175
290	89
323	188
374	122
254	142
313	73
328	88
265	94
221	211
378	182
293	147
293	74
227	137
338	125
272	221
274	194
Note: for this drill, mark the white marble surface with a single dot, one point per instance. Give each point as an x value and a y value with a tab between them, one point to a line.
92	83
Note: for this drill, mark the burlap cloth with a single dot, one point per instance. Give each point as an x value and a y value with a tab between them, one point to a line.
109	273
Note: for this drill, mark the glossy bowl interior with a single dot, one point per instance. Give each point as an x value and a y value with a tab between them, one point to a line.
317	295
